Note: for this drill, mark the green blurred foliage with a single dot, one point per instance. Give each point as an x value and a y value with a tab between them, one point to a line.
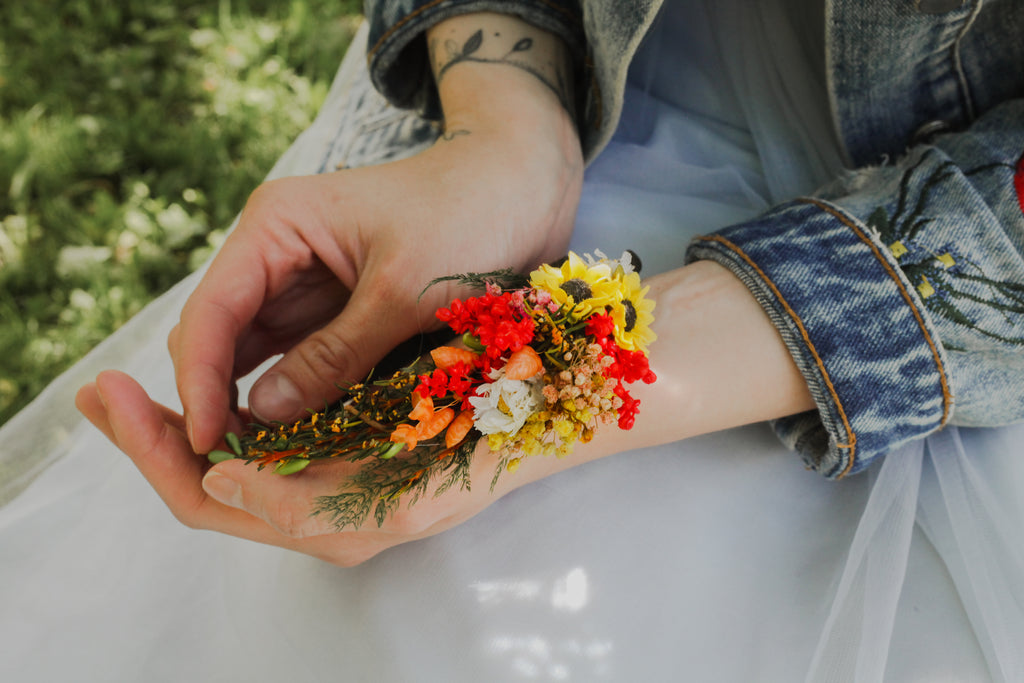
131	133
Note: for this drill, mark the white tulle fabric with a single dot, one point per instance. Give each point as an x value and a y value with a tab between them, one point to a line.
714	559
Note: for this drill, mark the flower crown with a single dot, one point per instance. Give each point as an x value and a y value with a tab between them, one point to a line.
543	361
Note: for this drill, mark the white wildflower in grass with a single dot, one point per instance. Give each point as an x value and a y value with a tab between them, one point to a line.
80	261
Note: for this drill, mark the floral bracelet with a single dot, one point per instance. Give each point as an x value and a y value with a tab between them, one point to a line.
544	361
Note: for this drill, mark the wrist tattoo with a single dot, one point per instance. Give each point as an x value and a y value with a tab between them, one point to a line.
449	135
521	54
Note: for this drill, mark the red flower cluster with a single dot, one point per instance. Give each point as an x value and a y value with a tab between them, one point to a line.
629	408
626	366
501	326
456	379
601	327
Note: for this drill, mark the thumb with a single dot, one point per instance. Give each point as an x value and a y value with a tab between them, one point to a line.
285	503
345	350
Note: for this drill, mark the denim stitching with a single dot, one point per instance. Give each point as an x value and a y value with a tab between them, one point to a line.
965	88
412	15
852	445
595	88
1018	182
947	396
401	22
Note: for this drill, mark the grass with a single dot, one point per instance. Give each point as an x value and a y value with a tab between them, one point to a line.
131	133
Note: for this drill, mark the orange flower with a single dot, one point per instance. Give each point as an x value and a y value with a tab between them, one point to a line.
422	406
435	424
523	364
405	433
429	422
446	356
458	429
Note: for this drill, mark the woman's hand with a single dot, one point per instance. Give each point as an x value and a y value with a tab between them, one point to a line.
328	269
720	363
240	500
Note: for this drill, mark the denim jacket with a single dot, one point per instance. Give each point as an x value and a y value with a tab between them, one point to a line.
899	288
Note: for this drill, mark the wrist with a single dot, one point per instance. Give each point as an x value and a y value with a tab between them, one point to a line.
720	363
498	71
722	352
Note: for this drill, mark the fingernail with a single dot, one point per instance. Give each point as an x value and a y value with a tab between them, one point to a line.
275	397
190	432
99	394
222	489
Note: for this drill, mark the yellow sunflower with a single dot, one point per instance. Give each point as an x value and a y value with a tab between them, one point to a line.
633	314
588	288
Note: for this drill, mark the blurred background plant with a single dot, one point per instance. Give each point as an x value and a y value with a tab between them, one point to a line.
131	133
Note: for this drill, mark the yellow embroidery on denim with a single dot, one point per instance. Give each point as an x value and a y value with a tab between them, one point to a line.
880	224
948	279
898	249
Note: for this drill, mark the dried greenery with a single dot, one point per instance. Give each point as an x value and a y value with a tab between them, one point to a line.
357	429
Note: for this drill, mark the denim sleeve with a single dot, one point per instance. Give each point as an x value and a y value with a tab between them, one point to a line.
899	290
397	48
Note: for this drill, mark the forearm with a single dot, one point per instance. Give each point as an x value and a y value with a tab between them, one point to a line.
720	363
482	60
898	290
497	74
506	91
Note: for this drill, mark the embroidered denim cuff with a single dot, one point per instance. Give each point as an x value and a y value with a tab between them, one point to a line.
397	48
854	325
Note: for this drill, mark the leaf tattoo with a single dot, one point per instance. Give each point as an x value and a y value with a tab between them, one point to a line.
469	52
523	45
473	43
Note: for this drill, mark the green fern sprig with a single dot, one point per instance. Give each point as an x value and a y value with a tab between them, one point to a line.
506	278
379	487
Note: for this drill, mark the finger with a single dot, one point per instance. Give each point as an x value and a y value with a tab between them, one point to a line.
89	403
377	318
151	436
261	257
161	453
172	340
287	504
203	343
310	302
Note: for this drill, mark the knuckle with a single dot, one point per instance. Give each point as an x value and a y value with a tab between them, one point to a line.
410	521
172	339
396	291
288	519
389	281
328	354
263	194
348	557
188	519
262	201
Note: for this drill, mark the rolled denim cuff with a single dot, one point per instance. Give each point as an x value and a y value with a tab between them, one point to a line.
855	328
397	48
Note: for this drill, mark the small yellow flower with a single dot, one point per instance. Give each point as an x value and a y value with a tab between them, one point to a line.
588	288
633	313
564	427
532	447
